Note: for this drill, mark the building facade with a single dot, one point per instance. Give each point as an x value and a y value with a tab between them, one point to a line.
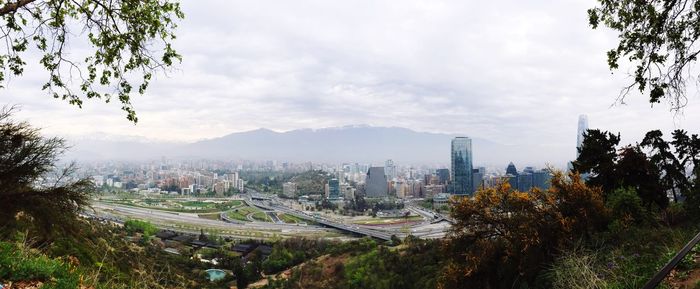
333	189
461	174
582	127
376	183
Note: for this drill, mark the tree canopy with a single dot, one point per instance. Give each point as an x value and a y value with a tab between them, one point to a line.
129	41
502	238
32	186
659	38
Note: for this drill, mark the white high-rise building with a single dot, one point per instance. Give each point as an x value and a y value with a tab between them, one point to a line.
582	127
390	169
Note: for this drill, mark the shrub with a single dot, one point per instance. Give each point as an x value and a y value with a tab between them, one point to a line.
626	206
143	227
504	238
576	269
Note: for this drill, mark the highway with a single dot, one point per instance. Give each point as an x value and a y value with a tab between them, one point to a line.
358	230
432	226
171	218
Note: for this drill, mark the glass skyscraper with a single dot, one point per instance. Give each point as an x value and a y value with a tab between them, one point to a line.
582	127
462	170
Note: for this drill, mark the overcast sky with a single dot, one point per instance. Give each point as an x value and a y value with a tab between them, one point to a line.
515	72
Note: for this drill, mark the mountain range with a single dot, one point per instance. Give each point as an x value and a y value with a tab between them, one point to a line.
339	144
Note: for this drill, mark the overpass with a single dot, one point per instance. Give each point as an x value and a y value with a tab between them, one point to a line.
324	222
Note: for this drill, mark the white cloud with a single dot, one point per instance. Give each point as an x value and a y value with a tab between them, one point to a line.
517	72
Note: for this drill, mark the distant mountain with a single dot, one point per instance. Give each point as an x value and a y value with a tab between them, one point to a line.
340	144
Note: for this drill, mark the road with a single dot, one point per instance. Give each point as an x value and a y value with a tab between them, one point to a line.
177	219
432	225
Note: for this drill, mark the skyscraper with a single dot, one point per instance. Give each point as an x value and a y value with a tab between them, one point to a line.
333	189
376	183
461	173
443	175
478	178
582	127
511	170
390	169
541	179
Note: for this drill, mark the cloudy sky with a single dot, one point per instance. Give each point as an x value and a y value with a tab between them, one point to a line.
515	72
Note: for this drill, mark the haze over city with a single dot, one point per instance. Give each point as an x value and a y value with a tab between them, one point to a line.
511	72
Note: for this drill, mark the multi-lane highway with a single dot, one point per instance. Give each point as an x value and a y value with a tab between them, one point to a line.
432	226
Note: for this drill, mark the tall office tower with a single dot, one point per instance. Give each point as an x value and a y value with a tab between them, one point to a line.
541	179
375	183
443	175
461	174
511	170
478	178
390	169
582	127
525	181
333	189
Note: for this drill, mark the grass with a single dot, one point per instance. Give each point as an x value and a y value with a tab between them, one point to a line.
18	263
388	221
240	213
261	216
200	204
626	259
291	219
201	207
214	216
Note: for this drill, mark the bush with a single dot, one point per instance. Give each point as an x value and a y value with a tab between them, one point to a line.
143	227
504	238
18	263
626	207
576	269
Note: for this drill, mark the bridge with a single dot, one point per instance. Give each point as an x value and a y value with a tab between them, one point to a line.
327	223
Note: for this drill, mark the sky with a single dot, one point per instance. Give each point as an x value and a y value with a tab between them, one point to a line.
514	72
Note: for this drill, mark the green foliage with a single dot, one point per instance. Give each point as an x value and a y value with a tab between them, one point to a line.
622	259
18	263
413	265
626	207
33	186
658	38
634	169
143	227
652	176
673	172
128	40
597	157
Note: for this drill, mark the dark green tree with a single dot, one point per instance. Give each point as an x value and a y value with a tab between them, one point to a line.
597	156
673	177
658	38
688	150
129	41
32	186
635	170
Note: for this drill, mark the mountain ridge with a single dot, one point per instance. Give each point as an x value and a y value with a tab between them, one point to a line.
367	144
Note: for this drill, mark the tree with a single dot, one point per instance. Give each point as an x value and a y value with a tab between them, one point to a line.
673	176
597	156
659	38
32	186
502	238
634	170
128	40
688	150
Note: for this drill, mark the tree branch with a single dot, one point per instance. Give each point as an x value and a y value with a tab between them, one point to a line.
12	7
